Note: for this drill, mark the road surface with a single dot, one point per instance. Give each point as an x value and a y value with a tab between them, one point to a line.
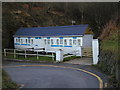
50	76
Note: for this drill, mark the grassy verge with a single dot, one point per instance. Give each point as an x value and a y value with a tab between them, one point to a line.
7	82
109	58
32	58
111	43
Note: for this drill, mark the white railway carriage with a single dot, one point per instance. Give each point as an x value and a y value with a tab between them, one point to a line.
66	38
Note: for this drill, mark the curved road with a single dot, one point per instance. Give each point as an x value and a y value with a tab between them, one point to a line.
37	76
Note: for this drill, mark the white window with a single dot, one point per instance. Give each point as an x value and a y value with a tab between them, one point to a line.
70	41
74	42
52	41
57	41
18	40
48	41
65	41
28	40
78	41
45	41
31	41
21	41
61	41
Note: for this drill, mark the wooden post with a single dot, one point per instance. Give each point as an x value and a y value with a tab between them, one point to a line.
25	54
37	55
52	56
5	52
14	53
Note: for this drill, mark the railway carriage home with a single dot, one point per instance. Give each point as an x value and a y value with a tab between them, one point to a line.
53	38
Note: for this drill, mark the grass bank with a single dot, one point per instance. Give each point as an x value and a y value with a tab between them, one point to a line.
7	83
109	59
32	58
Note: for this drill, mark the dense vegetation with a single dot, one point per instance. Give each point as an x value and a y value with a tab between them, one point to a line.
109	58
40	14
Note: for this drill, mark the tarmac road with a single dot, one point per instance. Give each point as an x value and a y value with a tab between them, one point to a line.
46	76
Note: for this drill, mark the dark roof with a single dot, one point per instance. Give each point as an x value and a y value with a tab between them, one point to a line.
53	31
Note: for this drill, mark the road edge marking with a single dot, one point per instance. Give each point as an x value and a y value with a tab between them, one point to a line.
99	79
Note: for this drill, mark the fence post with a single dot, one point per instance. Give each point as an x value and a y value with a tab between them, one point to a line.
25	54
95	50
52	56
14	53
37	55
5	52
59	55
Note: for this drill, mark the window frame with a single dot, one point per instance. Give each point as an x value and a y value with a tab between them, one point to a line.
52	41
65	43
74	42
48	41
45	41
57	41
79	42
61	41
70	42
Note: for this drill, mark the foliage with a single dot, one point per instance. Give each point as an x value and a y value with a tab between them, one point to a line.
40	14
109	59
7	82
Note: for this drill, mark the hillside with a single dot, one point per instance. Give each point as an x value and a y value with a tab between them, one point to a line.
109	58
39	14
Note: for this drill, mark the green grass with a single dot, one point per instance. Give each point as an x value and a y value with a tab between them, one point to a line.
70	58
111	43
7	82
32	58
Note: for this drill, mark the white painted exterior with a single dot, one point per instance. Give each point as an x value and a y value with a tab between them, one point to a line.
39	42
59	55
95	50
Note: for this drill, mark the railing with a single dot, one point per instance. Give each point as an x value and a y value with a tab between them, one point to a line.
24	52
70	54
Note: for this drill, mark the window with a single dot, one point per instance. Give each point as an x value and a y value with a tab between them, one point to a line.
45	41
18	40
21	41
57	41
78	41
28	40
48	41
74	42
31	41
61	41
70	41
51	41
65	42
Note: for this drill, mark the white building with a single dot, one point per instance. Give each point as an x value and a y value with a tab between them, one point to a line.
66	38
